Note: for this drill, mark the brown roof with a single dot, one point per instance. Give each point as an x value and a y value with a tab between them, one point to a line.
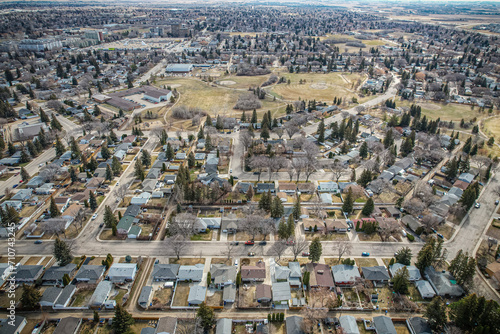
335	224
95	182
386	222
72	210
81	196
263	291
311	222
461	184
129	139
287	186
321	275
61	200
493	268
305	186
258	271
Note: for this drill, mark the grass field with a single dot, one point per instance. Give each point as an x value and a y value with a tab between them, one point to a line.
242	82
491	127
447	112
181	295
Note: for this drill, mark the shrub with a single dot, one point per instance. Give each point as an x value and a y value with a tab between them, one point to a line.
410	237
247	102
183	112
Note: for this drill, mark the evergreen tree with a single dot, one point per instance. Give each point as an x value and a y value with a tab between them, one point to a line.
92	201
348	202
401	281
436	313
243	117
24	156
96	317
139	171
254	117
75	149
218	124
321	131
403	256
283	230
146	158
109	218
72	175
2	143
54	124
363	150
463	268
122	320
169	152
206	315
66	279
32	150
264	133
473	314
388	139
62	252
200	133
12	148
60	149
191	160
451	169
43	116
116	166
365	178
105	153
54	210
265	201
315	250
368	207
296	213
109	173
432	253
277	209
30	297
208	143
208	121
25	176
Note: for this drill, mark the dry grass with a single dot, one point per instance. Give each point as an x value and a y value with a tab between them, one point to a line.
446	231
300	259
186	261
277	328
181	295
243	236
87	327
447	112
247	295
162	296
219	260
82	297
5	300
96	261
252	261
365	262
31	323
215	299
33	260
369	237
328	236
332	261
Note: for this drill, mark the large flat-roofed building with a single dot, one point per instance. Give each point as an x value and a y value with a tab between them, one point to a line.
157	95
39	44
179	68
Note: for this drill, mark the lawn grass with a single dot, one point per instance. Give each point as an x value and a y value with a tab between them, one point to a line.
181	295
446	111
82	297
162	296
33	260
186	261
243	82
365	262
202	236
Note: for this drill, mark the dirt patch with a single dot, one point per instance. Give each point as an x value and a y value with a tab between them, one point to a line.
430	106
214	298
227	83
162	297
318	86
181	295
247	295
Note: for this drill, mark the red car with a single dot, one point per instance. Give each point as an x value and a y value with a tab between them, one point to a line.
249	243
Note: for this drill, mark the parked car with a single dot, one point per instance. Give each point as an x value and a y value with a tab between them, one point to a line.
477	205
496	202
249	243
440	235
365	254
263	243
251	254
236	262
15	185
235	243
38	242
305	254
94	216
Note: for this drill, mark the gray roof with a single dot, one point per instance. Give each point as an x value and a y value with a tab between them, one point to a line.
222	273
384	325
6	328
166	325
132	210
143	299
194	273
377	273
65	295
229	292
57	273
412	270
28	271
344	273
90	272
419	325
281	272
348	324
294	325
67	325
281	291
443	283
50	295
165	271
101	293
197	294
224	326
425	289
148	330
295	269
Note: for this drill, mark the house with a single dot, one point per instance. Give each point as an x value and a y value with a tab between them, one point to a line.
329	187
345	275
336	225
180	156
412	223
255	273
101	294
50	296
393	212
145	297
222	275
418	325
281	294
243	187
294	325
154	173
443	283
166	325
65	297
211	223
5	271
378	275
229	293
165	272
279	273
289	188
383	325
90	274
134	232
54	275
124	225
169	179
7	326
326	198
132	210
22	195
264	188
224	326
425	289
122	272
140	199
229	225
305	188
311	224
28	273
295	274
191	273
466	177
196	295
348	324
263	293
35	182
68	325
320	276
18	205
412	271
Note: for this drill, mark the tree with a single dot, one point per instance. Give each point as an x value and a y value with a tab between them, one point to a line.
109	218
96	317
169	152
403	256
92	201
315	250
54	210
191	160
342	248
109	173
43	116
474	314
363	150
66	279
463	268
30	297
277	209
139	172
146	158
60	149
116	166
296	209
122	320
62	252
338	170
206	315
298	247
348	202
177	244
321	131
436	313
278	248
432	254
25	176
249	194
368	207
365	178
265	201
54	124
264	133
401	281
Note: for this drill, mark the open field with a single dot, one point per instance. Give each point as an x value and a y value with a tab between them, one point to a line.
447	112
491	127
242	82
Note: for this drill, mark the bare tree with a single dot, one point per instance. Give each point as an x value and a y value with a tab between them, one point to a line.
252	224
423	191
279	248
54	226
414	206
298	247
50	172
379	185
291	129
318	208
246	139
121	191
299	165
157	132
229	249
338	170
290	170
311	318
258	162
429	222
342	248
177	244
279	132
183	225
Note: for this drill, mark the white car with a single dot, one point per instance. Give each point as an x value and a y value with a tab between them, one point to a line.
94	216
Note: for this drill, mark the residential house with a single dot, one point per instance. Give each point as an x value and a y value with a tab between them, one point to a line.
320	276
28	273
224	326
140	199
264	188
312	224
412	223
132	210
412	271
211	223
263	293
90	274
166	325
418	325
378	275
305	188
336	225
124	225
348	324
5	271
393	212
329	187
192	273
383	325
222	275
101	294
255	273
35	182
54	275
65	297
466	177
345	275
443	283
294	325
288	188
229	294
68	325
295	274
165	272
196	295
279	273
49	297
22	195
122	272
425	289
243	187
326	198
281	295
7	326
145	297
